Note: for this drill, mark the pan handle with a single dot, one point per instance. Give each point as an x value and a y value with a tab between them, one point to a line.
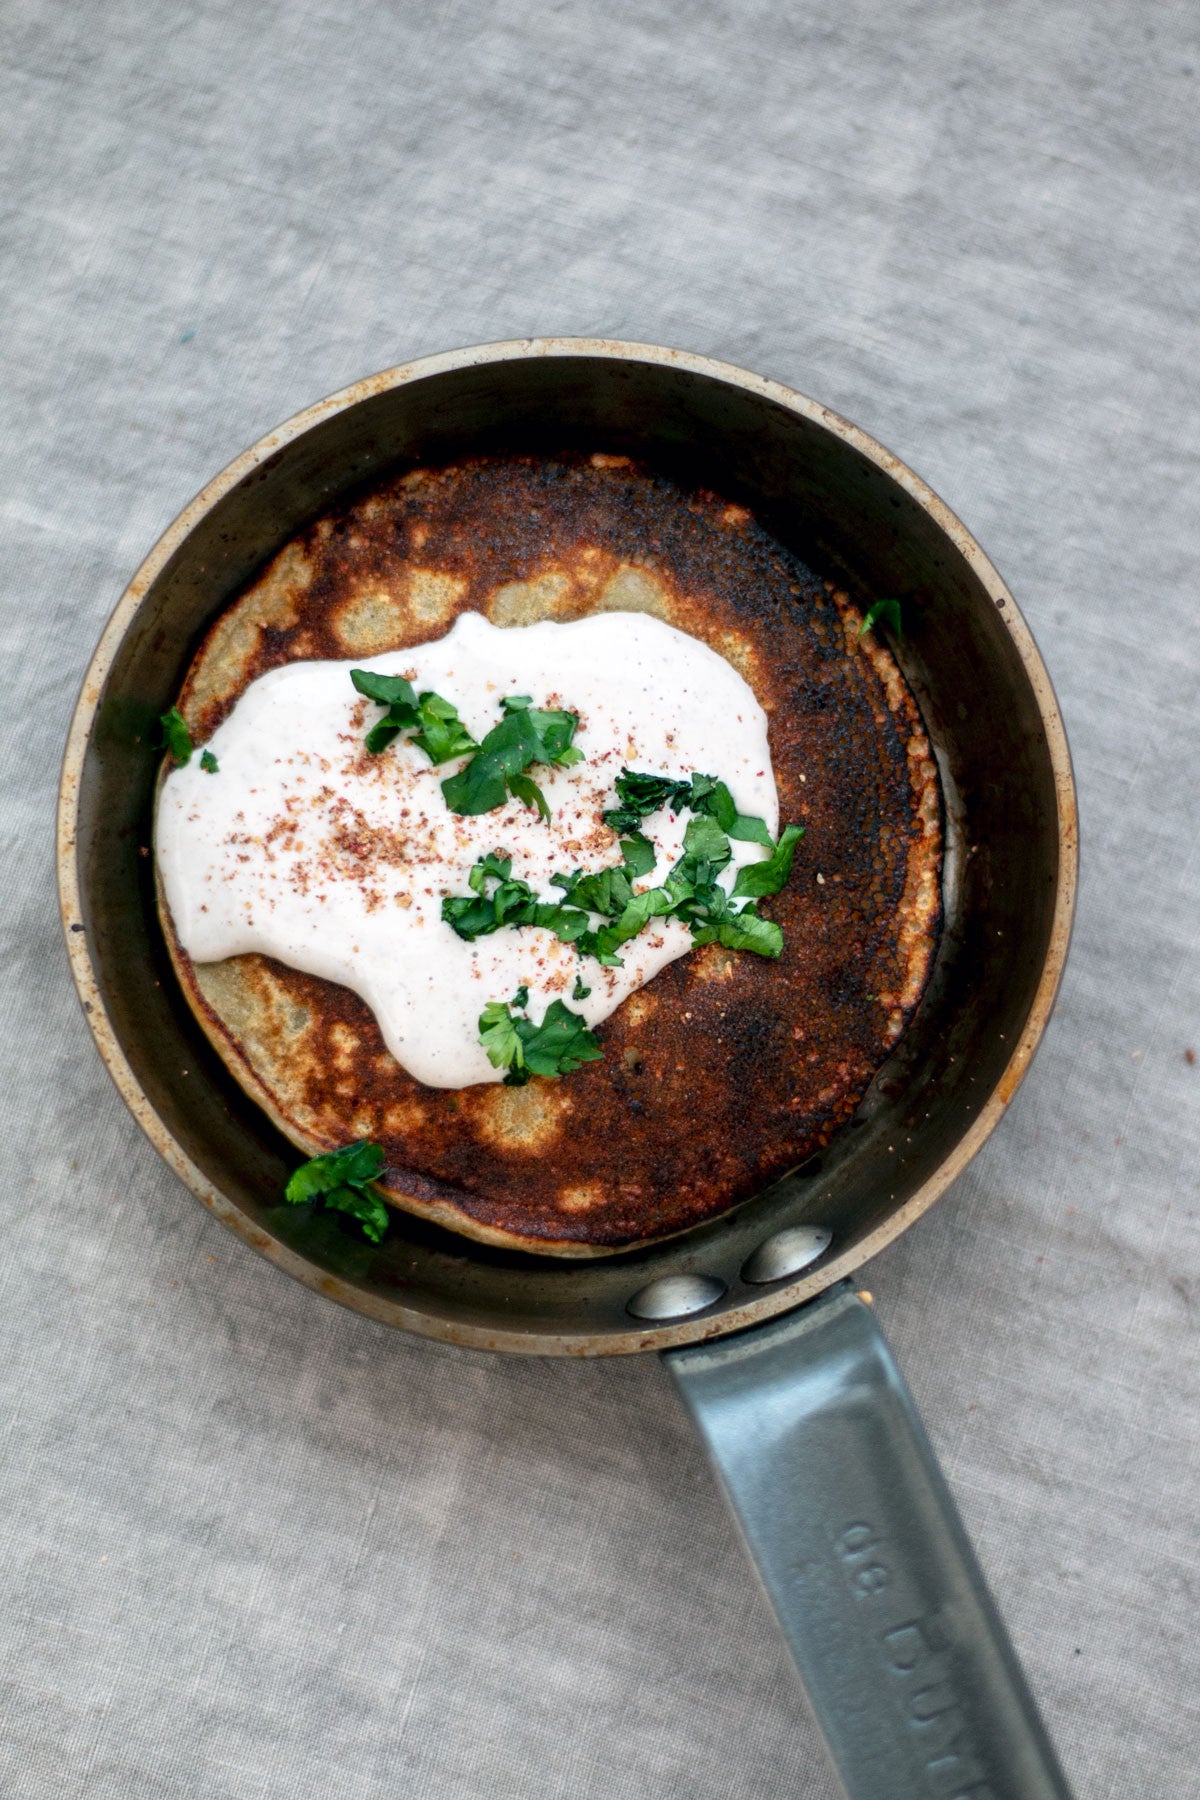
827	1466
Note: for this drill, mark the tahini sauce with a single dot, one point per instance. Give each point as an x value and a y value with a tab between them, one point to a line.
305	848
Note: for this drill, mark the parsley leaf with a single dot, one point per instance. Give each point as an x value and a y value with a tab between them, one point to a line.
494	863
342	1177
744	930
599	945
579	992
568	923
513	902
888	611
705	850
636	915
640	795
556	731
525	735
760	878
208	762
523	787
607	891
385	690
384	733
639	855
353	1165
434	722
559	1045
396	694
521	997
508	904
713	797
443	734
367	1208
175	736
498	1035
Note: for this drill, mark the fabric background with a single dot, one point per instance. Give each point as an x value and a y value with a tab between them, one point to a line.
253	1546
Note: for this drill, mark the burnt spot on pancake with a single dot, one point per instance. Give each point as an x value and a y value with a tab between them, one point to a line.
728	1069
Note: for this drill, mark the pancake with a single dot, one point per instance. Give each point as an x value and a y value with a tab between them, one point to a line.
728	1069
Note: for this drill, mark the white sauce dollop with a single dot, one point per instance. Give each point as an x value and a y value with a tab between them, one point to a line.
305	848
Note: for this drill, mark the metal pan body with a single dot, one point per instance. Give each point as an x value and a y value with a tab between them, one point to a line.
848	507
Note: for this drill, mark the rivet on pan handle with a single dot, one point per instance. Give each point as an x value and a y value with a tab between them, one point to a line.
827	1466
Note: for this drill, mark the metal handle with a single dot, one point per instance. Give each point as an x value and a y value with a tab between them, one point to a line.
834	1483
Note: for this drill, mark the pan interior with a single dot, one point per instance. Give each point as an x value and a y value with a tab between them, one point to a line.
848	516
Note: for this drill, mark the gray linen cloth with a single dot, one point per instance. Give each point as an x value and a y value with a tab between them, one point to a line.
253	1547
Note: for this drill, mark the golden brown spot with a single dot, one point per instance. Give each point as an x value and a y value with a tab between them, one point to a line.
737	649
633	589
405	1118
370	623
713	963
639	1007
344	1043
433	597
525	602
522	1118
253	1003
582	1198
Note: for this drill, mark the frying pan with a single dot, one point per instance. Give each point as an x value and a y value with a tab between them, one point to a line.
780	1361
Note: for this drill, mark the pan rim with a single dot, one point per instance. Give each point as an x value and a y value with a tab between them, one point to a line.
788	1294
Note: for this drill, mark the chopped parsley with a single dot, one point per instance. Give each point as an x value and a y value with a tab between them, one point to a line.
525	735
888	611
608	891
434	723
511	902
638	852
601	911
758	879
560	1044
713	798
443	734
640	795
342	1179
208	762
705	851
175	736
